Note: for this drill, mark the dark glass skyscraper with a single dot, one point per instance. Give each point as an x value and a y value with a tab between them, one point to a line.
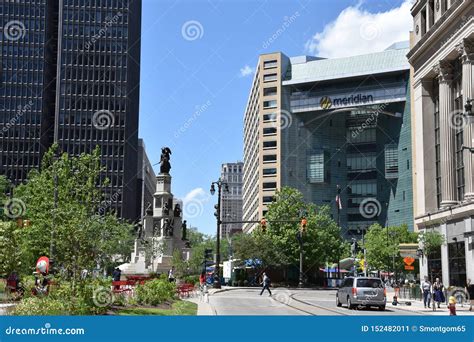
70	74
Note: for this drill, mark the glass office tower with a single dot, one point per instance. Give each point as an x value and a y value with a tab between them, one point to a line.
70	74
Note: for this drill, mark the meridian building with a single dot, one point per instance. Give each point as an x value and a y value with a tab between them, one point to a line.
70	75
315	124
442	57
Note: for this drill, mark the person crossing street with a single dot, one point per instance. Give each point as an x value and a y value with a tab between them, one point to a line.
266	284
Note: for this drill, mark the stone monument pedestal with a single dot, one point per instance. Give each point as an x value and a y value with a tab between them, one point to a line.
161	233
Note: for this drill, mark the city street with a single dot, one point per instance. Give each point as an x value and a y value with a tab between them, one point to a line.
247	301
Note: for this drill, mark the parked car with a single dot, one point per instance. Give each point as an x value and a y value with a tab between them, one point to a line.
362	291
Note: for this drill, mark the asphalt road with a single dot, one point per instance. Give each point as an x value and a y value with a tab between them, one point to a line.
288	302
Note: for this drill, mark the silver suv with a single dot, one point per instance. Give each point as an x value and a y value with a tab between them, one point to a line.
362	291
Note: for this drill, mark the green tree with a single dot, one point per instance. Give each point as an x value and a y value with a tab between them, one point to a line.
83	238
382	246
4	183
431	241
322	240
279	245
10	254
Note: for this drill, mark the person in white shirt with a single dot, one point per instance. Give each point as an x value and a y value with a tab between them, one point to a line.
426	288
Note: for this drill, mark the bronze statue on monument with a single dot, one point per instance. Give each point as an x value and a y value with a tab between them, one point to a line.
165	165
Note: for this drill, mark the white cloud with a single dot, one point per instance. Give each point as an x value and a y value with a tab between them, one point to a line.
196	194
356	31
194	202
246	71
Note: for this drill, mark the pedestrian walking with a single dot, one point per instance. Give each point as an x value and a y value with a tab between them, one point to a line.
438	295
204	293
116	277
470	293
426	288
171	275
265	284
117	274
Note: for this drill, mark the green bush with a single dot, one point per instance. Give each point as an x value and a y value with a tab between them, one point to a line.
235	283
89	297
192	279
41	306
154	292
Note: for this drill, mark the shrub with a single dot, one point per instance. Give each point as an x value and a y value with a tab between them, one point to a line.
41	306
192	279
154	292
89	297
246	283
235	283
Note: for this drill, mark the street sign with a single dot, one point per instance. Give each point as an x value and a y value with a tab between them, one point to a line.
409	268
408	261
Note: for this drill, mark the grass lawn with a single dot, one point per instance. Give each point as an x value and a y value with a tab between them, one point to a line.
178	308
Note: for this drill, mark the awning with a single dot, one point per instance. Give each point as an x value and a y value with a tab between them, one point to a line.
332	270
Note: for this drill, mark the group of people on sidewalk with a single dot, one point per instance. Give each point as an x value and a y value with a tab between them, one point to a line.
435	292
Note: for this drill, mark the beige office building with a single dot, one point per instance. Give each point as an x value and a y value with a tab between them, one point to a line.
442	58
265	98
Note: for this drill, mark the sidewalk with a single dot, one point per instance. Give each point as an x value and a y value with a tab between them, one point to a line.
206	309
417	306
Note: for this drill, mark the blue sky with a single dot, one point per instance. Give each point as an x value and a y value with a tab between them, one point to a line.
197	67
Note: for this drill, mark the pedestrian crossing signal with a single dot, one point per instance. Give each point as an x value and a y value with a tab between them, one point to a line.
263	224
304	222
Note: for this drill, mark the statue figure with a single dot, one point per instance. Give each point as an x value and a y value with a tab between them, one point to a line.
139	231
149	210
156	228
166	209
167	227
165	165
184	228
177	210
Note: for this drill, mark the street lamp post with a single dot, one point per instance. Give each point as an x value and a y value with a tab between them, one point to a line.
220	184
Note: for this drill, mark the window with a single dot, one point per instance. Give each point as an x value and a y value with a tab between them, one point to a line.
457	263
459	131
437	143
270	64
361	162
269	117
434	264
269	91
269	172
270	104
267	199
269	77
269	185
269	158
315	168
391	161
269	130
269	144
373	283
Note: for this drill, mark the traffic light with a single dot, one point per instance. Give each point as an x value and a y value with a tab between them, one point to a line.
304	222
207	254
263	224
216	213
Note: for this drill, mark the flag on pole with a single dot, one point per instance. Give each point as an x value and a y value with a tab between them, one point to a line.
338	202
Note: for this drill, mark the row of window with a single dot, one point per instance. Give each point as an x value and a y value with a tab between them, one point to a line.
269	104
